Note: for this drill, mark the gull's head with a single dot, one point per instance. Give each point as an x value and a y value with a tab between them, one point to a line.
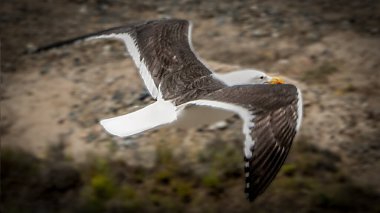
249	77
258	77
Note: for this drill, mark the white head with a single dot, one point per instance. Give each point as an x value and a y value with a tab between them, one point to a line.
248	77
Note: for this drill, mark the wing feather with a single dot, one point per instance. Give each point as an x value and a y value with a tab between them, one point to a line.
271	114
161	50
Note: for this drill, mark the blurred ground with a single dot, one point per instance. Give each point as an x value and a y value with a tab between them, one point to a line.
51	102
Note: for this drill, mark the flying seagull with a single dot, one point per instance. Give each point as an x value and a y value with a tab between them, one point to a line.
188	93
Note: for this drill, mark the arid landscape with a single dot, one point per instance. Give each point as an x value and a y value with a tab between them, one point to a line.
55	157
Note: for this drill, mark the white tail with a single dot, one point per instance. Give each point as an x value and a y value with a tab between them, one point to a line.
154	115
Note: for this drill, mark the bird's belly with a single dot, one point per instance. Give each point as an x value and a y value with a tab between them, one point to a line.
196	116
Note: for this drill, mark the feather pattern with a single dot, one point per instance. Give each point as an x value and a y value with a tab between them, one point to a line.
161	50
270	114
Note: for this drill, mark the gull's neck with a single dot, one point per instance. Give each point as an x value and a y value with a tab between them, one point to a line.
233	78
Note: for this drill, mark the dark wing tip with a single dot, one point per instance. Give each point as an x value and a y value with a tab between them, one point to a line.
81	38
251	196
250	193
118	29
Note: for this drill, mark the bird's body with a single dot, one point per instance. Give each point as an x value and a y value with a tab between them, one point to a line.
188	94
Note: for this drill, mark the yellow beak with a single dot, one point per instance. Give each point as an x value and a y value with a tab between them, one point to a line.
276	80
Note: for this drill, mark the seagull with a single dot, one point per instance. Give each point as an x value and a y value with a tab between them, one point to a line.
188	94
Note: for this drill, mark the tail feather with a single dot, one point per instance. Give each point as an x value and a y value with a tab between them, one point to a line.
152	116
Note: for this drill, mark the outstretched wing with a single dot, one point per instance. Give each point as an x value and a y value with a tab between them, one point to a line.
272	116
162	51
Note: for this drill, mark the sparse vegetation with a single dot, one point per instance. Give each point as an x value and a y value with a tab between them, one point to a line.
310	181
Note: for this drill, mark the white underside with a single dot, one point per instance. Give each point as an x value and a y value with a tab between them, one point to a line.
191	114
197	116
164	113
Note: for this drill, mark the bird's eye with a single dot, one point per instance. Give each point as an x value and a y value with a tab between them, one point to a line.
261	77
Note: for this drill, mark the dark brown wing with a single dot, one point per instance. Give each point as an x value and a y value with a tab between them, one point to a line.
271	115
166	49
162	51
273	133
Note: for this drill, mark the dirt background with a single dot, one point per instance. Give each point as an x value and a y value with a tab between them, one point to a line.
51	102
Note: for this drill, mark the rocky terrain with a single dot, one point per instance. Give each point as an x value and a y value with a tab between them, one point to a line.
53	149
